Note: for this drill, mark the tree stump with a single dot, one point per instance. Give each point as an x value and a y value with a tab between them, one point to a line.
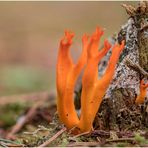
118	110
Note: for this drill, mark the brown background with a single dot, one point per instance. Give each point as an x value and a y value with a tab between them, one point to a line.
30	34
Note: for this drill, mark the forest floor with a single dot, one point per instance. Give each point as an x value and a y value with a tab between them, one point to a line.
32	121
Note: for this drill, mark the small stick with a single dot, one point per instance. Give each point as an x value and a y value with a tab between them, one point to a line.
9	143
3	144
136	68
23	120
53	138
120	140
144	27
81	134
119	134
100	133
84	144
129	9
14	145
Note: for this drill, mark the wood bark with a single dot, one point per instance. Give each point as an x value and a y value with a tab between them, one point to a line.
118	110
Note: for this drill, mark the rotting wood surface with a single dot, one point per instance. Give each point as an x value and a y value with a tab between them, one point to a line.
118	110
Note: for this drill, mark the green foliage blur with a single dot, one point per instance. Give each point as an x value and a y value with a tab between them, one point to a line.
17	80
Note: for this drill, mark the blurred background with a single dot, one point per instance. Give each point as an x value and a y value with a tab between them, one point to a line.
30	33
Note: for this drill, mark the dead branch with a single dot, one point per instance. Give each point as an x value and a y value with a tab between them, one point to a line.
136	68
9	143
128	134
46	143
84	144
24	119
81	134
100	133
144	27
130	10
120	140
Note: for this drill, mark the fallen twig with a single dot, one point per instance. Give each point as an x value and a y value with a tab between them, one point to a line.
41	128
73	138
100	133
24	119
120	140
12	145
81	134
9	143
144	27
3	144
136	68
40	99
128	134
53	137
84	144
129	9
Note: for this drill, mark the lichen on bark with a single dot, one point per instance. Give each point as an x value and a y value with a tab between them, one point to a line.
118	109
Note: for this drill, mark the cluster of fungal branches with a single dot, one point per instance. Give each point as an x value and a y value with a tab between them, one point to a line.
93	89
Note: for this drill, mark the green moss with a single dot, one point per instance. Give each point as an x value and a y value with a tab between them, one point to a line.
17	80
122	144
140	139
10	112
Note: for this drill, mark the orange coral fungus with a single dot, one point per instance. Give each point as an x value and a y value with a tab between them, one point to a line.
141	97
67	74
93	89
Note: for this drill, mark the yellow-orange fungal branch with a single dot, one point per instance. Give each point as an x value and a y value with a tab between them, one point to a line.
143	89
67	74
103	83
93	89
64	63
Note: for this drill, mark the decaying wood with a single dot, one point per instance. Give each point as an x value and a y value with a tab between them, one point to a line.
9	143
118	109
84	144
129	9
137	68
120	134
143	45
46	143
121	140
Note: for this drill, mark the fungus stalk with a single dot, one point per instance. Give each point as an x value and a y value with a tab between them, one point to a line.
143	89
93	89
67	74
